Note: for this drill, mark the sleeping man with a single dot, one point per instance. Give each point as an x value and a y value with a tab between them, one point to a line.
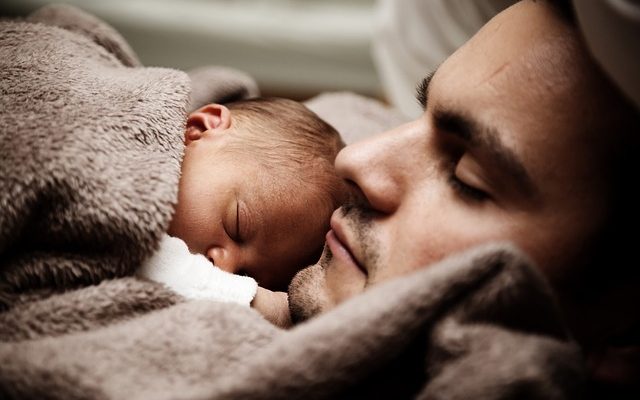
523	139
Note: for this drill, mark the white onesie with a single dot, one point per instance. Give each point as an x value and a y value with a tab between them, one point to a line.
194	276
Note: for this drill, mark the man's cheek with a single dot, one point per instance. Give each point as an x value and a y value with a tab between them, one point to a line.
404	252
307	293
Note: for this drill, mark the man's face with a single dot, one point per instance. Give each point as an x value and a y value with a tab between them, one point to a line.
236	212
503	151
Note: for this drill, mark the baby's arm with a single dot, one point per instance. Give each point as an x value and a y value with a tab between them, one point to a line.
274	307
194	276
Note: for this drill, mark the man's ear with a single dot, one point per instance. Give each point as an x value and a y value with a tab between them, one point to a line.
212	117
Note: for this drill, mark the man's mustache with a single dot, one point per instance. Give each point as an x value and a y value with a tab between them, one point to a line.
357	208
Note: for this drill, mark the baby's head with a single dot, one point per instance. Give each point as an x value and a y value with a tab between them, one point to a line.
258	187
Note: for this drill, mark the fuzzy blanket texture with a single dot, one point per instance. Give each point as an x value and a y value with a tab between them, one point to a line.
90	150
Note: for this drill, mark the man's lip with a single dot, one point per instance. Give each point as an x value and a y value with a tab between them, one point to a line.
339	246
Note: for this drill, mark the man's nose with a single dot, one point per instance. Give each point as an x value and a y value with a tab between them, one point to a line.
377	167
225	258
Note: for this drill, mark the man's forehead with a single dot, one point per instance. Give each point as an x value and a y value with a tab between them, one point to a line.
527	39
525	62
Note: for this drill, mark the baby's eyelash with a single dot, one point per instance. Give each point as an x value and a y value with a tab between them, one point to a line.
238	238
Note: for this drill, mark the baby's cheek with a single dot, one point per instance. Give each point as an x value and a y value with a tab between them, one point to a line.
176	226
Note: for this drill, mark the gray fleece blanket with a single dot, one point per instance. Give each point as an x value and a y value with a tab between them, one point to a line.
90	145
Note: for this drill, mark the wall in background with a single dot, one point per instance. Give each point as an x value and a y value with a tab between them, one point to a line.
295	48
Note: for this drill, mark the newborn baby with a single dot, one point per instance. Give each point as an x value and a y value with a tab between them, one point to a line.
257	190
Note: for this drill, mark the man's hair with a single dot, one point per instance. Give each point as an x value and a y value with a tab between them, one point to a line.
288	137
618	120
564	9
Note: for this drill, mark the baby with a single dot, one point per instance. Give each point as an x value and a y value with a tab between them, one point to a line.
256	193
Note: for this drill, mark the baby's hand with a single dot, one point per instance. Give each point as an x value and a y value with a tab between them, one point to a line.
274	306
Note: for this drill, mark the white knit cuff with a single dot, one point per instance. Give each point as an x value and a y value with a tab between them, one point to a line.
206	281
194	276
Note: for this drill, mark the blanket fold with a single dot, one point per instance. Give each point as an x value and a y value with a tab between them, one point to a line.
90	145
414	336
91	154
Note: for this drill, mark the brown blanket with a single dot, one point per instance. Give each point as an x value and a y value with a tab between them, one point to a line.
90	145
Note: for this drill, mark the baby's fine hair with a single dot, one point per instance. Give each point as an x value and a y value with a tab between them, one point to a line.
288	137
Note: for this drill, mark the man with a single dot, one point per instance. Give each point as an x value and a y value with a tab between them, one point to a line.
522	138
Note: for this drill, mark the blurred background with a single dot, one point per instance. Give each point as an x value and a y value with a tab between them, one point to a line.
299	48
293	48
296	48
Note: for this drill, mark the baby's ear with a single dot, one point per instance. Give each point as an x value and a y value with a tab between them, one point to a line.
212	117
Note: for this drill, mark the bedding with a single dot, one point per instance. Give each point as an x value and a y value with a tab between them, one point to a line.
91	144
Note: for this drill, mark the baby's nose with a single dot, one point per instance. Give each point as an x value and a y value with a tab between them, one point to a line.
225	259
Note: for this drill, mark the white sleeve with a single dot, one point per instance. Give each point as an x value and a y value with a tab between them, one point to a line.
194	276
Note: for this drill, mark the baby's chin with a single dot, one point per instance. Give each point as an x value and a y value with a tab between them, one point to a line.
176	225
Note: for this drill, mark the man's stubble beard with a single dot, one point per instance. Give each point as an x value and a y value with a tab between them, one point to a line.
307	291
307	296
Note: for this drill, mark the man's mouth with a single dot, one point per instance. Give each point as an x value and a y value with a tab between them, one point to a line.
339	246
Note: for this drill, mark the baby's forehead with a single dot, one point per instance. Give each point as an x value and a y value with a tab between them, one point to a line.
290	193
287	186
293	215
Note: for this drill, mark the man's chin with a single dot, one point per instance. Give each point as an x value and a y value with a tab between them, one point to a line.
307	295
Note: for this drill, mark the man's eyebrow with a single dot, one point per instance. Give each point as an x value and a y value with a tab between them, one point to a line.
422	90
487	139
